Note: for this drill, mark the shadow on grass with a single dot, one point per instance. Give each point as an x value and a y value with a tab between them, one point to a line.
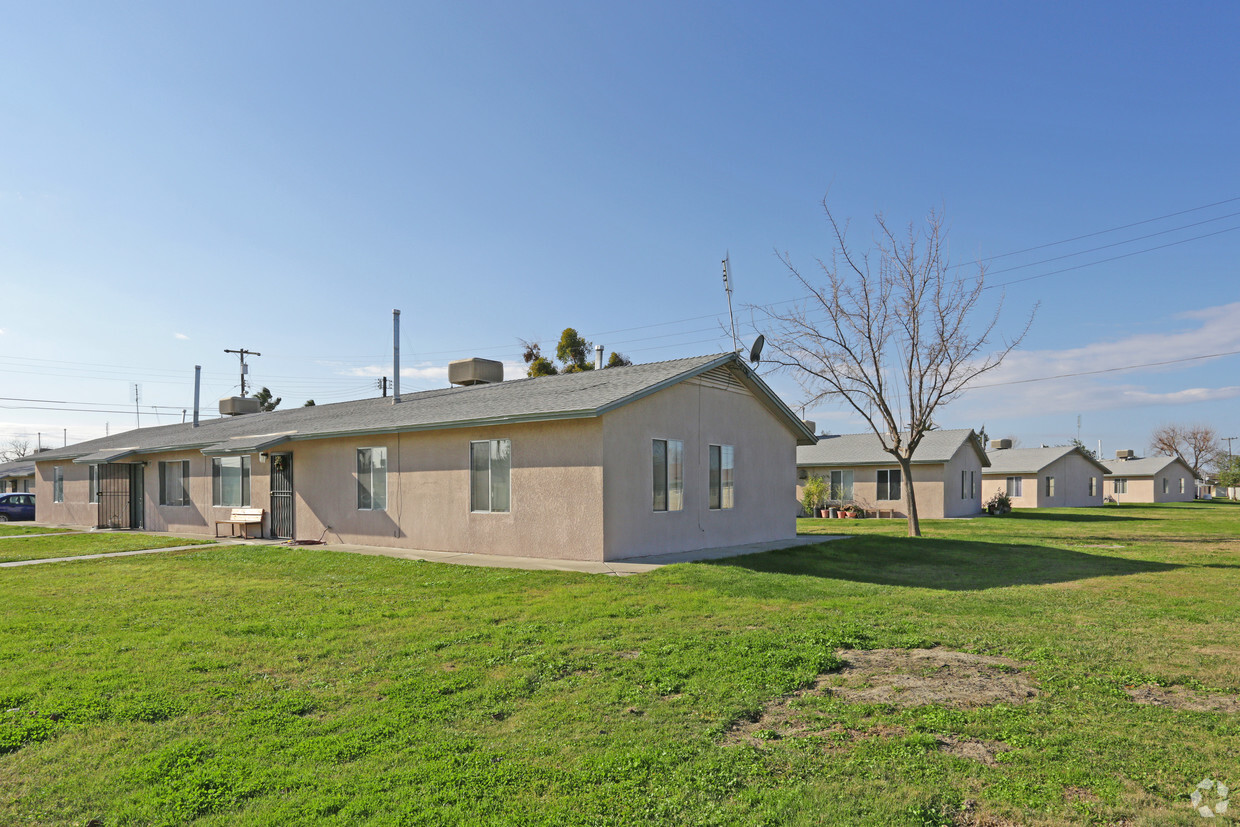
1092	517
953	565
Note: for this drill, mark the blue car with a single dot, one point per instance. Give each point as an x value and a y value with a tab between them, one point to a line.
16	507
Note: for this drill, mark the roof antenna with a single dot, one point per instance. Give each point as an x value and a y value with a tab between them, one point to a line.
727	288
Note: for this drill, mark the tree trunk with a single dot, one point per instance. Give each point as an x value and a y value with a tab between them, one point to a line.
910	500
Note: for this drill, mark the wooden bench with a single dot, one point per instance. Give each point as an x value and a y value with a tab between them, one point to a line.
242	517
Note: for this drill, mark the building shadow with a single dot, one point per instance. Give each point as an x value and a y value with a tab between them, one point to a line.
1073	517
950	565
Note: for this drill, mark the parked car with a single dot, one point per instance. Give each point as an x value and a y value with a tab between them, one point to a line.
16	507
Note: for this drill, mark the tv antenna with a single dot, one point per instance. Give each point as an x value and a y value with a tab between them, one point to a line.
727	288
244	367
137	397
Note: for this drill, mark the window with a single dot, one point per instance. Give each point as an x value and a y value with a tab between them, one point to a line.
230	481
722	468
968	485
371	479
669	474
1014	485
1050	486
841	486
1121	486
888	484
173	489
1181	485
1093	486
92	496
490	469
58	484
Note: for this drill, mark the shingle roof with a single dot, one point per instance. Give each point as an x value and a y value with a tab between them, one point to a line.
865	449
17	468
1144	467
1032	460
575	395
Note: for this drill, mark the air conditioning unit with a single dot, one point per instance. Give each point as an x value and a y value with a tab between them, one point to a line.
1125	454
238	405
475	372
1000	444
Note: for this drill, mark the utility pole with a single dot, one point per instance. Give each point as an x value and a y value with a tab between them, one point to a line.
244	367
1228	440
382	382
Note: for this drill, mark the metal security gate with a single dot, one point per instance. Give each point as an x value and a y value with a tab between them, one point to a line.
282	496
120	495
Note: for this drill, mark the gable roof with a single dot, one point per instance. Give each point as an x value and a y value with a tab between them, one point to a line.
571	396
1144	467
17	468
865	449
1033	460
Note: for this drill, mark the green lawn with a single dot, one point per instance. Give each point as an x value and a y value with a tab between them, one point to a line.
75	545
12	529
270	685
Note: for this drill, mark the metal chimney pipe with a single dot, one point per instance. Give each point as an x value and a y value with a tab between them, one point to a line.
598	357
395	357
197	387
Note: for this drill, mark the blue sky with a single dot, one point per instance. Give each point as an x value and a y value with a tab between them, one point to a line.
177	179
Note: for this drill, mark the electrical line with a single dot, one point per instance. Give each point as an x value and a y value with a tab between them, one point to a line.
1107	370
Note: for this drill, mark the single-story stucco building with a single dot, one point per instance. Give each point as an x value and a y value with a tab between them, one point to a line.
599	465
1048	477
947	473
17	475
1133	479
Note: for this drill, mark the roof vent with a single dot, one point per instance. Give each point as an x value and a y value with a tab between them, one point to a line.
1125	454
1000	444
238	405
475	372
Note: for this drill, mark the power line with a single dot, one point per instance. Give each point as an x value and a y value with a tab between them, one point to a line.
1108	370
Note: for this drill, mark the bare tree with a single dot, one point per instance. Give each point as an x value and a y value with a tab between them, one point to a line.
1197	445
17	448
892	333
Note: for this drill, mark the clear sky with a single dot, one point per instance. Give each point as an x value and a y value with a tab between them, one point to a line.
181	178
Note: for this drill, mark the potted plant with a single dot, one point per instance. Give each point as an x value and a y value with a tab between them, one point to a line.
999	503
813	494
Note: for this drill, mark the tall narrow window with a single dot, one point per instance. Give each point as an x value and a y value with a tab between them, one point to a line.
58	484
490	475
841	486
668	461
92	475
972	485
1014	486
722	467
1181	485
888	484
230	481
371	479
1166	485
173	485
1050	486
1093	486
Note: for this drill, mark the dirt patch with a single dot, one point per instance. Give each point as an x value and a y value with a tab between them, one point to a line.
902	677
920	677
1178	697
972	749
970	817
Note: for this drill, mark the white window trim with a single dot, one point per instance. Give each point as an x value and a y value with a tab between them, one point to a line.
667	483
490	505
58	483
709	492
889	498
358	478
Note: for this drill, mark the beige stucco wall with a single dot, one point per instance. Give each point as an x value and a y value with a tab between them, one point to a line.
76	509
961	500
1149	489
1071	473
699	415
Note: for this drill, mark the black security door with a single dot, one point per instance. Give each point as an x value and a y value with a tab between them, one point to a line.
114	505
282	496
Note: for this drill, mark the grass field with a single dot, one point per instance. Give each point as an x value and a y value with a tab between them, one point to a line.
14	529
75	545
267	685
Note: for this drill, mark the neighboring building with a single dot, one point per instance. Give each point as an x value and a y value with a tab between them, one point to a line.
599	465
1133	479
17	475
947	473
1059	477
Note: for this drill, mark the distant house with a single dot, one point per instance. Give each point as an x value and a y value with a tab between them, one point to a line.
599	465
17	475
1048	477
1133	479
947	473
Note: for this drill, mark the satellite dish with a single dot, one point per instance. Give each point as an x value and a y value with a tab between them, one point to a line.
755	352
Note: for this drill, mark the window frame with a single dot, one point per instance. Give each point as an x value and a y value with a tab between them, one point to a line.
721	477
1166	485
671	473
164	499
1093	486
373	451
58	483
843	488
491	444
1182	485
217	480
882	485
1120	485
1014	486
1050	485
92	479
